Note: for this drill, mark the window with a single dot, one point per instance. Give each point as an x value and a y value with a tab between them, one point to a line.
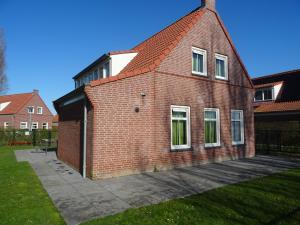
30	109
199	61
180	127
45	126
237	127
106	70
265	94
221	67
211	127
34	125
39	110
23	125
6	125
96	77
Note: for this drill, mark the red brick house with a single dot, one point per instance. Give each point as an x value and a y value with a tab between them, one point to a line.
277	101
22	111
180	98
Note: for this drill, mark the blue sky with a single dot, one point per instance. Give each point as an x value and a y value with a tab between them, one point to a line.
48	42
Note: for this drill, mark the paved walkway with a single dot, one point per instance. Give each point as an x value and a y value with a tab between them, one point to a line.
81	200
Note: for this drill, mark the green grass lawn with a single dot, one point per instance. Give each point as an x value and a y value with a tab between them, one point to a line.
269	200
22	198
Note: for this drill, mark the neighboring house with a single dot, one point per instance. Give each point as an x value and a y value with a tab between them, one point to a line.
277	101
180	98
20	111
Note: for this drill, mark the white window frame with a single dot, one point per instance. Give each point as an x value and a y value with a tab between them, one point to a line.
218	143
5	125
39	108
32	109
225	59
46	127
37	125
186	109
263	94
242	127
204	54
25	125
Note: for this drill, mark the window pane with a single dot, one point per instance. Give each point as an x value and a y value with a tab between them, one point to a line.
179	114
96	75
258	95
236	115
210	114
179	135
220	67
268	94
236	131
198	62
210	132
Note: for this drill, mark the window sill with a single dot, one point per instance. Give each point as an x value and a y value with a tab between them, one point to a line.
187	149
199	74
221	78
238	144
212	146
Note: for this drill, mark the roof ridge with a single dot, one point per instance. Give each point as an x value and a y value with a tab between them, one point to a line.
26	93
277	74
144	42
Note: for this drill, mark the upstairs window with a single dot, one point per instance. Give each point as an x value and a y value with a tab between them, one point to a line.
199	61
266	94
106	69
221	66
211	127
39	110
31	109
180	127
237	127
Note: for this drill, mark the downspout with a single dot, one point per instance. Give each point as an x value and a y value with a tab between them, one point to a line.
84	138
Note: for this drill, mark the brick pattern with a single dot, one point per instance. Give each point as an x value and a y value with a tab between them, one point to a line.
23	116
131	133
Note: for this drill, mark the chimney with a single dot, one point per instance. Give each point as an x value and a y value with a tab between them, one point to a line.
35	91
209	4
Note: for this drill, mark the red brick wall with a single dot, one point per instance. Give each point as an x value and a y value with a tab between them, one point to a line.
123	139
70	135
23	116
175	85
127	142
70	130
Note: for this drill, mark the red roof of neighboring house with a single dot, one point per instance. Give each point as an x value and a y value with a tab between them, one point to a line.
17	101
278	107
154	50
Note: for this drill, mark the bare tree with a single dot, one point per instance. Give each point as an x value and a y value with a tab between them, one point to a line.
3	77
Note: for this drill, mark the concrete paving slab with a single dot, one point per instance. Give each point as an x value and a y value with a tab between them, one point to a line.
80	199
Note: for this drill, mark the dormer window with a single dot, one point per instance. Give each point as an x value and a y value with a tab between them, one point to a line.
266	94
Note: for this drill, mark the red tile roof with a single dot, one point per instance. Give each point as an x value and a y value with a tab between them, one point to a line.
278	107
17	101
154	50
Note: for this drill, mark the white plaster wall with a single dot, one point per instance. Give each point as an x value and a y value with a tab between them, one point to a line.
118	62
